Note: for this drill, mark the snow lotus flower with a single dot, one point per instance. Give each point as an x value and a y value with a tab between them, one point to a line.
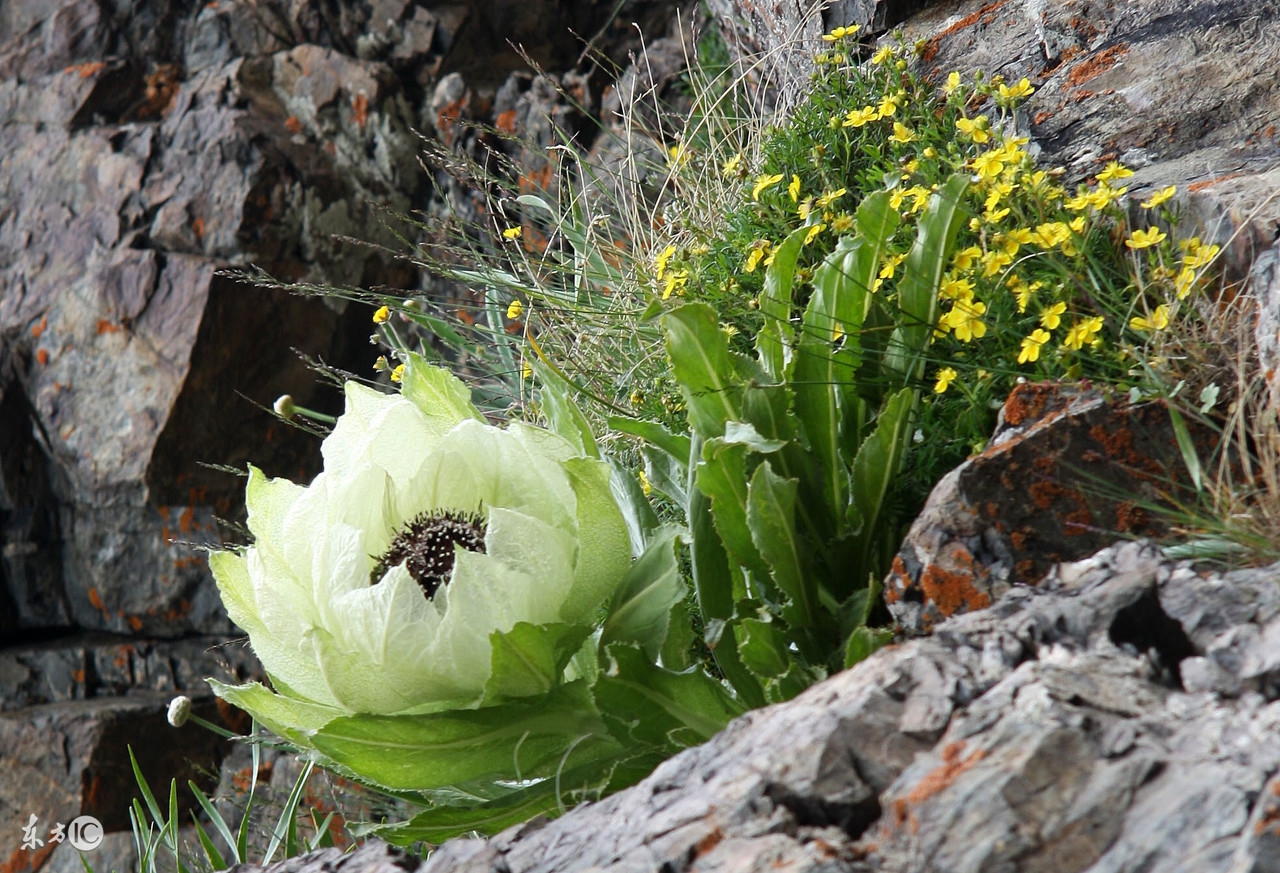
431	544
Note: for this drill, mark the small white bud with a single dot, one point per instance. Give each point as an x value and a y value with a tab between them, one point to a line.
179	710
284	406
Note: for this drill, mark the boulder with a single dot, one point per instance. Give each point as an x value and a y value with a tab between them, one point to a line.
1068	471
1122	716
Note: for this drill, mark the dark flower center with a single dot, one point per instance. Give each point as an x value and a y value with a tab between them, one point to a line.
426	546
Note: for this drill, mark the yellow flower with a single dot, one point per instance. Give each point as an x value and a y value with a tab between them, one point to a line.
381	316
660	262
882	54
965	320
842	223
758	252
989	165
840	33
675	283
678	155
1031	344
1050	234
1077	224
813	233
1200	256
398	373
1083	332
793	189
1161	196
995	216
1022	291
1052	316
1078	203
996	193
804	207
891	265
1142	239
1104	196
763	182
1159	320
515	310
730	167
1185	281
965	258
901	133
831	197
888	106
1017	92
976	130
910	167
526	370
1114	171
946	376
645	485
953	82
994	261
513	232
859	117
953	288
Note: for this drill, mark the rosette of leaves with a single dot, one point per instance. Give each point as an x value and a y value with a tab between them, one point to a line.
451	613
786	475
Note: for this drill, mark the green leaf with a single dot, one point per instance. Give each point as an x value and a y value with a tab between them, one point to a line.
722	476
875	467
662	706
666	475
700	362
563	414
771	518
288	717
441	396
922	276
877	221
764	647
675	445
676	650
568	786
713	584
519	740
775	337
741	433
640	611
529	659
1187	447
863	642
641	520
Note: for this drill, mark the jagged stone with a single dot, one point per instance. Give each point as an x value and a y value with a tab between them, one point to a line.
63	760
1057	731
1067	472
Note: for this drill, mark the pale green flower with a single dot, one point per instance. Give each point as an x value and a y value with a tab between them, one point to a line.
521	527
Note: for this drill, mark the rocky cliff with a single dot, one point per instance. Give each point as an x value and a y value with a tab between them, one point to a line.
1120	715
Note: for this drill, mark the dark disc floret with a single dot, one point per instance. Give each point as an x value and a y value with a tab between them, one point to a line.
426	546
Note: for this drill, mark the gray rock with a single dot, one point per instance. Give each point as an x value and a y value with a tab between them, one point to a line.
1051	732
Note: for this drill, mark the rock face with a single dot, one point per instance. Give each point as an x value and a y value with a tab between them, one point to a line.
1067	472
149	147
1123	716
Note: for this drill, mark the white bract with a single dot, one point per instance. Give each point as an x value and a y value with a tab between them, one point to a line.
335	636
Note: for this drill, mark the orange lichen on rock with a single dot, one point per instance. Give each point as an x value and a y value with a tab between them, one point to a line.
360	110
292	124
1209	183
985	15
953	591
506	121
902	580
107	326
92	68
1095	65
936	781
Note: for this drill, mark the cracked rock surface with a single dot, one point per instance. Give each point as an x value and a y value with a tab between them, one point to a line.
1122	716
